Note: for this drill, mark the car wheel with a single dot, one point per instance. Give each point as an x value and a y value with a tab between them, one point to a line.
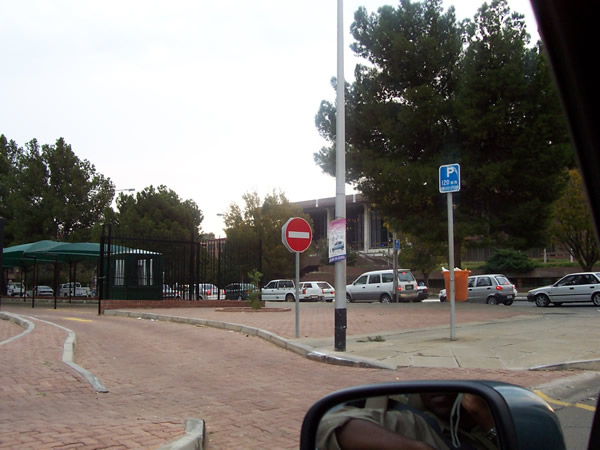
289	298
385	298
596	298
348	298
491	300
508	302
542	300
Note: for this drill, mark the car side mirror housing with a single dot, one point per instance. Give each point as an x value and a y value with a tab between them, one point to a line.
481	414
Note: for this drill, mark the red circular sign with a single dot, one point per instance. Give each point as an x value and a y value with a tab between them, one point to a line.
296	234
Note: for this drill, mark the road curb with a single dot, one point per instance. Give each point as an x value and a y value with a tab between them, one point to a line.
287	344
193	439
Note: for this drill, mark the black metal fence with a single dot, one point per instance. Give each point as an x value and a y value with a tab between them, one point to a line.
135	267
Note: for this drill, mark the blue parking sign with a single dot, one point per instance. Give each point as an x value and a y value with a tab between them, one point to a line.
450	178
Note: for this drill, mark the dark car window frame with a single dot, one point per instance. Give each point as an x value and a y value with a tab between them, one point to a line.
375	279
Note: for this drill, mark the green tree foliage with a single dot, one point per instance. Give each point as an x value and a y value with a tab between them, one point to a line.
509	261
160	213
261	221
49	193
511	127
436	92
422	255
572	223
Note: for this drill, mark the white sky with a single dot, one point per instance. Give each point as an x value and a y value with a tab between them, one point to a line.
210	98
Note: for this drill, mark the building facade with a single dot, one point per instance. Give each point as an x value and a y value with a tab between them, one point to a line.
365	229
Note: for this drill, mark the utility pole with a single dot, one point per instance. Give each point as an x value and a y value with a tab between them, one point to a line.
340	185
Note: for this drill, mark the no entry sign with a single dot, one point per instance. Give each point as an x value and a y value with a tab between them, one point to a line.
296	234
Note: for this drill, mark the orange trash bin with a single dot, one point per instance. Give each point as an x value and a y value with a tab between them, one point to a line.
461	281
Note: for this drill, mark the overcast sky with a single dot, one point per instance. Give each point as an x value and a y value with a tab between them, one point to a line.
210	98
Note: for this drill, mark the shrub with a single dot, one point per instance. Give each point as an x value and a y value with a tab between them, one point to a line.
508	260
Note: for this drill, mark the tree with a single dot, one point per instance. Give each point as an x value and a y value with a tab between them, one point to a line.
78	195
9	153
49	193
261	221
418	254
572	223
426	100
159	212
511	125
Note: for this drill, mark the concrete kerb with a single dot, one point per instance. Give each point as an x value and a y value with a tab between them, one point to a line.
23	323
287	344
193	439
68	347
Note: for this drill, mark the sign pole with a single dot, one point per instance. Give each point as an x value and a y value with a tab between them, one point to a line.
340	185
449	183
297	295
296	235
451	263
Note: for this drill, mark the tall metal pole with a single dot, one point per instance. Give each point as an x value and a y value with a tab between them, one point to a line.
451	294
297	295
340	184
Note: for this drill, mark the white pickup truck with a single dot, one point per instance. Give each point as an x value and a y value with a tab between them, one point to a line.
73	289
279	290
15	289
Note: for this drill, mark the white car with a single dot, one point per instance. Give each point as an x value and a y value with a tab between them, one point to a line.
208	291
379	285
316	291
169	292
279	290
575	287
41	291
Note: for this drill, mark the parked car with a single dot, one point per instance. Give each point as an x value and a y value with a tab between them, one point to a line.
41	291
279	290
208	291
443	295
73	289
239	291
378	285
169	292
15	289
492	289
575	287
316	291
423	292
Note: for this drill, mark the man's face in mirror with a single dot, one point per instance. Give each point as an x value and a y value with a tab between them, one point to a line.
439	403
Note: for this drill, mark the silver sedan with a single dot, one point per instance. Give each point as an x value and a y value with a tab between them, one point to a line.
572	288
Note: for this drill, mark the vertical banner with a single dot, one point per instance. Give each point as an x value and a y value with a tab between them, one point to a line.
337	240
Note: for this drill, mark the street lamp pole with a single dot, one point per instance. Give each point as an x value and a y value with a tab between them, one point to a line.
340	185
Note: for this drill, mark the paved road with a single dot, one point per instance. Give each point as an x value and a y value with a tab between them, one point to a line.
251	393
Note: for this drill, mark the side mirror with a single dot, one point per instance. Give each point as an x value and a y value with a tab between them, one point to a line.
432	414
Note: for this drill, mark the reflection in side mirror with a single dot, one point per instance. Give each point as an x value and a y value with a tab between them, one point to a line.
432	415
425	420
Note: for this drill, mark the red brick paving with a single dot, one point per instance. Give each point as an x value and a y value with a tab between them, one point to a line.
251	394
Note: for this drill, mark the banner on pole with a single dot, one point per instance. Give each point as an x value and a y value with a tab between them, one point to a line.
337	240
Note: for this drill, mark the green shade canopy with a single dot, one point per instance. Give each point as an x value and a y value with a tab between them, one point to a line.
52	251
17	255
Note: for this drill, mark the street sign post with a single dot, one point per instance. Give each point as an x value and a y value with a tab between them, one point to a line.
296	235
449	183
